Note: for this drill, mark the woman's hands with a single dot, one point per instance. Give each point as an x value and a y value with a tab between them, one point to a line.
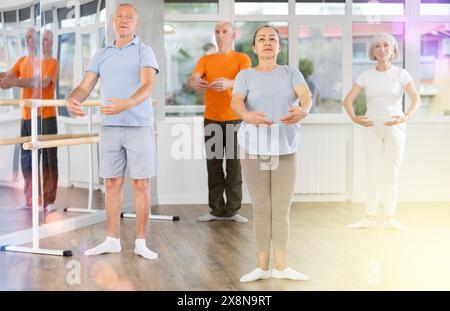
256	118
362	120
295	115
396	120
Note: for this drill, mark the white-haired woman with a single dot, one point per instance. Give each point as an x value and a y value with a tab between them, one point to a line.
384	122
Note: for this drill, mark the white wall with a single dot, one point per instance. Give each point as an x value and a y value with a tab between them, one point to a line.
425	173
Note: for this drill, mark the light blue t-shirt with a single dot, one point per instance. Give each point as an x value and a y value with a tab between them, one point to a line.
272	93
119	71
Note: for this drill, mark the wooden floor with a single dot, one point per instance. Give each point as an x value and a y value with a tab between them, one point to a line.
12	220
213	256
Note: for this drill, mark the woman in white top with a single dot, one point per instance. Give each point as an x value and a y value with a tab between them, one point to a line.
384	122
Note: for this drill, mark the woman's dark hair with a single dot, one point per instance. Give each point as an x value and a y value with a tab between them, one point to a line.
266	26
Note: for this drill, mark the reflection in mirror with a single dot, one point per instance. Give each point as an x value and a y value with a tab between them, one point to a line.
19	79
44	49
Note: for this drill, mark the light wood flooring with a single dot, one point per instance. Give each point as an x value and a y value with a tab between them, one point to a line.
12	220
214	255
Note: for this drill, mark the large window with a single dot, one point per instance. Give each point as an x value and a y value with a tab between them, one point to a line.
326	7
13	49
102	14
264	7
66	17
3	60
3	64
37	15
25	18
185	43
86	31
320	51
88	49
435	7
10	20
317	37
191	7
47	19
66	57
435	68
378	7
88	13
329	50
102	37
78	38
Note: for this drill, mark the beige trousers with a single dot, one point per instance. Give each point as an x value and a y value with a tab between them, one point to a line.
271	187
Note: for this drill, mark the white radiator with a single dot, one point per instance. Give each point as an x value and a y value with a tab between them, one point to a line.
323	162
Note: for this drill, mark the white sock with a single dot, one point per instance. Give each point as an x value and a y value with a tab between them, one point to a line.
289	274
393	224
255	275
363	224
141	249
110	245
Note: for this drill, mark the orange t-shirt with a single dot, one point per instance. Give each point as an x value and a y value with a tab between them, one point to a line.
213	66
24	68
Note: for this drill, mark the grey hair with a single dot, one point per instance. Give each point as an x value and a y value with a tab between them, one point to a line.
50	34
228	23
384	37
266	26
128	5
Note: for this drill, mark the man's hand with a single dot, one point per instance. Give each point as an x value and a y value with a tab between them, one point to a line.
118	105
199	84
221	84
8	81
74	107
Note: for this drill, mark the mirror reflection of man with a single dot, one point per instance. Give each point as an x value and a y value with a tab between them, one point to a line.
25	75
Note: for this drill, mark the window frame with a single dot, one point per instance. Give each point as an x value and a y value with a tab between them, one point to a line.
411	20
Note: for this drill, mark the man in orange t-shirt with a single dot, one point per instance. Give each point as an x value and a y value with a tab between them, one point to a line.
22	75
214	75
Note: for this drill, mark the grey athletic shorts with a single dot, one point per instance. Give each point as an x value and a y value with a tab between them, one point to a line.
132	146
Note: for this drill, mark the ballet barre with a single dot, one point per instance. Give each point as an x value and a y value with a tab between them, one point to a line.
27	139
35	249
36	142
28	103
49	141
61	142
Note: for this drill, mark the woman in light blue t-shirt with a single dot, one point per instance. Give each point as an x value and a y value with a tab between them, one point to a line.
266	97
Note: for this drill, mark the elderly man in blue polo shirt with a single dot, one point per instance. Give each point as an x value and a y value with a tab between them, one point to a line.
127	68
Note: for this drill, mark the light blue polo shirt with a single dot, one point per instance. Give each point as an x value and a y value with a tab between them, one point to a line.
272	93
119	73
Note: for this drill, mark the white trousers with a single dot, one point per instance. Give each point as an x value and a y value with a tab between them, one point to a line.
384	147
